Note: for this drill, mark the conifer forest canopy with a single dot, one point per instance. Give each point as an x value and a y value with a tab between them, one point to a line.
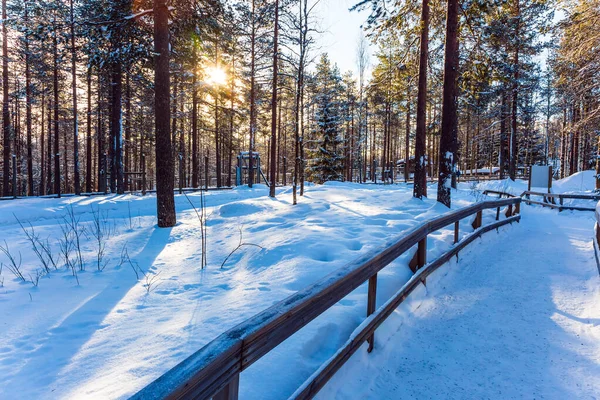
116	96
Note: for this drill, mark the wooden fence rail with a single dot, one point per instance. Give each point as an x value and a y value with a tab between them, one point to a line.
549	200
213	371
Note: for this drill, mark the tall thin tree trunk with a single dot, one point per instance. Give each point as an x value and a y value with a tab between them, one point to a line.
6	128
42	188
420	187
194	123
515	97
127	144
449	135
28	108
165	198
273	162
49	153
75	115
116	127
88	139
252	98
55	104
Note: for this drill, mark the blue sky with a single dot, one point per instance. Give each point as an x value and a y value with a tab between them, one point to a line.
341	31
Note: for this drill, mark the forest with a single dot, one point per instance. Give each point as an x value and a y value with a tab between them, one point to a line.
117	96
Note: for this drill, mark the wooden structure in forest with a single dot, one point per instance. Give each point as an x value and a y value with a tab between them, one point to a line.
242	169
214	370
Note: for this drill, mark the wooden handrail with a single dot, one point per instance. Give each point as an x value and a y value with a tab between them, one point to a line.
561	197
213	371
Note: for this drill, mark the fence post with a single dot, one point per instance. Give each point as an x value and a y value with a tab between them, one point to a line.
497	213
143	174
422	252
231	391
206	172
517	208
478	220
509	211
57	156
456	231
371	304
14	177
284	171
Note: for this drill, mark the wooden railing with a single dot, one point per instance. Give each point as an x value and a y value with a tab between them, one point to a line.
213	371
549	200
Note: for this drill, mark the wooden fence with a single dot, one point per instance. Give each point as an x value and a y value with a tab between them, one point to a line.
549	200
214	370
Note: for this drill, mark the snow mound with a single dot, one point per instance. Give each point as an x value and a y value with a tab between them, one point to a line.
584	181
239	209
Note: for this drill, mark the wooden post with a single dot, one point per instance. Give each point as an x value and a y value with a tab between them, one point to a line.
371	304
143	174
478	220
517	208
284	171
231	391
509	211
497	213
14	176
422	252
420	257
206	172
180	175
57	157
456	231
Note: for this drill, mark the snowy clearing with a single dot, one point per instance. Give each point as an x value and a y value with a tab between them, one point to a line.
108	337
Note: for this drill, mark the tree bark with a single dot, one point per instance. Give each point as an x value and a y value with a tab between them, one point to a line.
28	108
420	186
449	135
194	123
273	161
76	177
56	133
6	127
165	198
88	139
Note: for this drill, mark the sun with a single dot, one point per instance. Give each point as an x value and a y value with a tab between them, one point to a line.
216	76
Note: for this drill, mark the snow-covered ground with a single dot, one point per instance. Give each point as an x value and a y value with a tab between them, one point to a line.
516	317
107	337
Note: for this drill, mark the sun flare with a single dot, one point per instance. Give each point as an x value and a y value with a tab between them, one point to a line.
216	76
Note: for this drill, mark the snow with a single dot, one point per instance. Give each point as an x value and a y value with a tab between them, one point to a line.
108	337
580	182
513	324
584	181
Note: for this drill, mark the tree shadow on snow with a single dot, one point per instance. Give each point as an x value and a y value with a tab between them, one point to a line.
56	349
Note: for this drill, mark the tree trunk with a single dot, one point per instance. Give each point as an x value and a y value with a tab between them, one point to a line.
116	127
165	198
88	139
55	91
195	165
515	91
449	135
75	120
6	128
28	108
252	98
127	144
273	161
420	187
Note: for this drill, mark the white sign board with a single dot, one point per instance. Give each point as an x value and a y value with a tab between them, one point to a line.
540	176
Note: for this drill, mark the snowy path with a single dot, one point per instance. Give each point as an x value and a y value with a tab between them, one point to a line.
517	317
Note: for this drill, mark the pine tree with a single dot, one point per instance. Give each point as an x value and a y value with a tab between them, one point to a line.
327	161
